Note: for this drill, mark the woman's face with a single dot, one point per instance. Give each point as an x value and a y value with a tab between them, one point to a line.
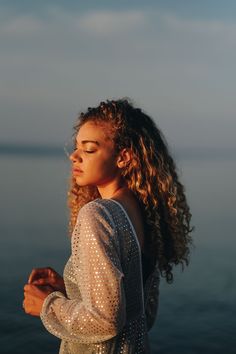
94	161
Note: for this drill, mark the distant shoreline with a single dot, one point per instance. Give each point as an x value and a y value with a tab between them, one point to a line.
177	152
31	150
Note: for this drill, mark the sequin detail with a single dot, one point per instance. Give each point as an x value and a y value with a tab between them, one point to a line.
106	309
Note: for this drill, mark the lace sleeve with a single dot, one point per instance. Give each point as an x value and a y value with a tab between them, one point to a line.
151	298
101	314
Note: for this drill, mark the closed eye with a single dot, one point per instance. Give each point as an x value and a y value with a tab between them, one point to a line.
87	151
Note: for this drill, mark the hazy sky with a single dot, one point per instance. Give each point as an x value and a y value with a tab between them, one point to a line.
175	59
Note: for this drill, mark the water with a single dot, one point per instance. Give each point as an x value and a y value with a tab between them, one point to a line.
197	312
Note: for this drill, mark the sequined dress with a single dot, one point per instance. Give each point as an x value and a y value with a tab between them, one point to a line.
109	307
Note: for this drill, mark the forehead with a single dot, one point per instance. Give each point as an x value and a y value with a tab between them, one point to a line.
95	132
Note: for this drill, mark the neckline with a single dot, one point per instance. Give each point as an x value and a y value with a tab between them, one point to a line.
129	221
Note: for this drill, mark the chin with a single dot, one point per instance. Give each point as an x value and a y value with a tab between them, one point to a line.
79	181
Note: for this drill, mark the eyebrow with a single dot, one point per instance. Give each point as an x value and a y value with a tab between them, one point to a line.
90	141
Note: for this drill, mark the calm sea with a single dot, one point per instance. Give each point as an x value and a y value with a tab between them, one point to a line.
197	313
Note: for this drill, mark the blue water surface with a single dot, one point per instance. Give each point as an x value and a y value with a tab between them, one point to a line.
197	313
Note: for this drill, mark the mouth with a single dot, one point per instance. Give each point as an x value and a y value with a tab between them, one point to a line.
77	170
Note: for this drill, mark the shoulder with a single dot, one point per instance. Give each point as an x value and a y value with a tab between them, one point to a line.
96	211
95	222
97	206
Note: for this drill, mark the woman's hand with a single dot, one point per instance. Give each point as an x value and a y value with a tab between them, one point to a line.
47	276
34	296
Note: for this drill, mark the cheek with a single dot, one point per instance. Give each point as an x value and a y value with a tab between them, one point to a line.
107	163
104	165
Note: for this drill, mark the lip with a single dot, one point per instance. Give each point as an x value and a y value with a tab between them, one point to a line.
77	170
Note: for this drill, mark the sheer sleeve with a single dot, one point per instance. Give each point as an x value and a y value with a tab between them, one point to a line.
151	297
101	314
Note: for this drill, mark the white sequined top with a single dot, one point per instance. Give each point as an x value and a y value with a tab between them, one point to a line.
107	308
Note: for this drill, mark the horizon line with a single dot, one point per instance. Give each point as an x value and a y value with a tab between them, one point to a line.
27	149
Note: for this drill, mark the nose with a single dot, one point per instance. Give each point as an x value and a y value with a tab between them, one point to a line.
74	156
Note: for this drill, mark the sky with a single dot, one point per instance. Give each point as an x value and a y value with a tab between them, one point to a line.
174	59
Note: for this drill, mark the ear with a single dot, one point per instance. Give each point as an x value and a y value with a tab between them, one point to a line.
124	157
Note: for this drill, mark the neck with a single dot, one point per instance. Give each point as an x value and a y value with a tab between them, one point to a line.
113	190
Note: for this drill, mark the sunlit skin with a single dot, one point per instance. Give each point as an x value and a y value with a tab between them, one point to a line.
41	282
98	162
100	167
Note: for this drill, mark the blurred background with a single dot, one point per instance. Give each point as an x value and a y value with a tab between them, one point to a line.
175	60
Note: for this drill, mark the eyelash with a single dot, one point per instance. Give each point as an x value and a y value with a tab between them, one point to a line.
88	152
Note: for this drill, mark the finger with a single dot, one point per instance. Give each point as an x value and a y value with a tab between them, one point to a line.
29	308
27	287
45	288
34	275
30	288
41	281
37	273
37	291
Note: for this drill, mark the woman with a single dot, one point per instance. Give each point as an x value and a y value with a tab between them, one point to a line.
130	223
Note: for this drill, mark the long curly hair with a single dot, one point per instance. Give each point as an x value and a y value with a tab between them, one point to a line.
151	176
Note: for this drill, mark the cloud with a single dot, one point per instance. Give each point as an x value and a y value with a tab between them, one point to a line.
205	27
22	25
180	69
106	23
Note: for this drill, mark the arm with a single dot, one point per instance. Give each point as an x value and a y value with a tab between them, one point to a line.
101	314
151	297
